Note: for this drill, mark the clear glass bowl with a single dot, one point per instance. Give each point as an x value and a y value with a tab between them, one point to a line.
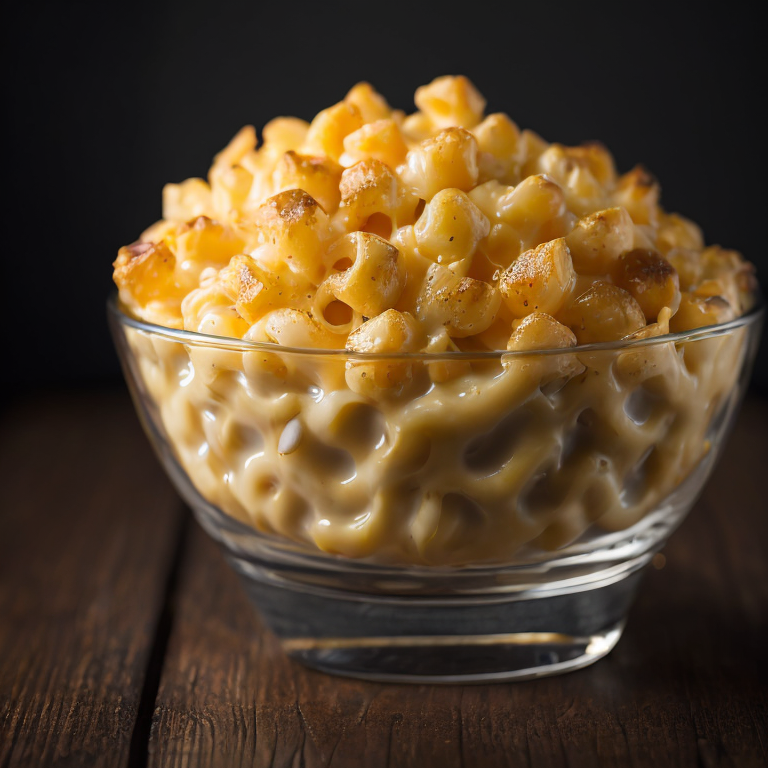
456	517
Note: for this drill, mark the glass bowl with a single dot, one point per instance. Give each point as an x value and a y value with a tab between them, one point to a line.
455	517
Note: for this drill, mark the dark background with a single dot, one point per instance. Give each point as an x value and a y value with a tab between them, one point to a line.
107	102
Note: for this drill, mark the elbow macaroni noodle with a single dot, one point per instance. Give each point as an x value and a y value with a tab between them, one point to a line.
412	238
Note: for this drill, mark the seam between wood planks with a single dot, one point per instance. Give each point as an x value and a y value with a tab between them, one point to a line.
138	753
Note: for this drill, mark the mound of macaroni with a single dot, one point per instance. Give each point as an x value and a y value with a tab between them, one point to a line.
399	241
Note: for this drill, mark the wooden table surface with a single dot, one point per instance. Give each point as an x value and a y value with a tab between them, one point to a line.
125	639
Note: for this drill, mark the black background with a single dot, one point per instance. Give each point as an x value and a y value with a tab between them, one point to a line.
107	102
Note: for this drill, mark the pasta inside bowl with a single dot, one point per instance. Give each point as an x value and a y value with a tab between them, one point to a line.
433	382
524	453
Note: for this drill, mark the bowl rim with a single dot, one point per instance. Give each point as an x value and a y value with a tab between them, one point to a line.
120	314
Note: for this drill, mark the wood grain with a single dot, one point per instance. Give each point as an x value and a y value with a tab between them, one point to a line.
88	528
686	685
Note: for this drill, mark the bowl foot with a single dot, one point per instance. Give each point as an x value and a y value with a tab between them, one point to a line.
453	658
448	638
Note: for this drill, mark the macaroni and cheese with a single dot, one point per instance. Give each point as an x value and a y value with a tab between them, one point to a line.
414	246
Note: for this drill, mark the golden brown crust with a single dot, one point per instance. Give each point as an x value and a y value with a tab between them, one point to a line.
291	206
145	269
536	223
651	279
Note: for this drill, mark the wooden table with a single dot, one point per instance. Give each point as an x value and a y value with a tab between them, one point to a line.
125	639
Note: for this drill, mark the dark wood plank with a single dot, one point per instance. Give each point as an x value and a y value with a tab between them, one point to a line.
88	527
686	686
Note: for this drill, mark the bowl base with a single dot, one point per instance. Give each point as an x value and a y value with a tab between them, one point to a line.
453	658
457	638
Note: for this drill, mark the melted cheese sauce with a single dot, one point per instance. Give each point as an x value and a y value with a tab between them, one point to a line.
465	471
